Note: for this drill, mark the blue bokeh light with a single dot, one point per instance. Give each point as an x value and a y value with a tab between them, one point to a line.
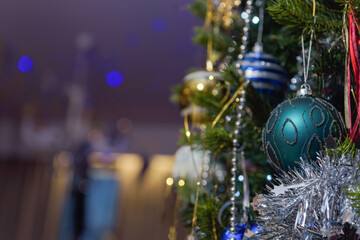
255	228
159	25
114	79
244	15
241	178
256	20
25	64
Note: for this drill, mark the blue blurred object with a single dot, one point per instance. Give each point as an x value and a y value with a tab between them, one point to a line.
114	79
240	232
25	64
100	208
100	205
266	75
255	228
159	25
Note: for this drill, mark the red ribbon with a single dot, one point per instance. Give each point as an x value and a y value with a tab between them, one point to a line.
354	61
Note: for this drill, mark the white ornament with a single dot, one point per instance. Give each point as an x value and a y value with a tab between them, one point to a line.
188	162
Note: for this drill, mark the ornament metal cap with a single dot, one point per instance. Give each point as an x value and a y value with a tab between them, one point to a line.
305	90
258	47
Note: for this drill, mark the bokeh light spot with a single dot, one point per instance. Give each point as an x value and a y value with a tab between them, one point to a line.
256	20
244	15
241	178
169	181
255	228
181	183
159	25
25	64
114	79
200	86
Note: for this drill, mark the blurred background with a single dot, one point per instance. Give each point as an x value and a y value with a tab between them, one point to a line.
87	131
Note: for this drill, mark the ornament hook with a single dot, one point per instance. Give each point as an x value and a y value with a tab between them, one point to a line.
305	90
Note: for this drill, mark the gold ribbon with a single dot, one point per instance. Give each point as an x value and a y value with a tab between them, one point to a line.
212	215
227	94
314	7
232	99
187	129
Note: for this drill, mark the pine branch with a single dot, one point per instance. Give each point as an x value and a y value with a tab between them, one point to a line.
297	15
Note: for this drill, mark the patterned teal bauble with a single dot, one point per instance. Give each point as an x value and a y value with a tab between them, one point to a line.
299	128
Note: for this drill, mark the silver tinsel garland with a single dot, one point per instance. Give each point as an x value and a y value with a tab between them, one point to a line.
309	202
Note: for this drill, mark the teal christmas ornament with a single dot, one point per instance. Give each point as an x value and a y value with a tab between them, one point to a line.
300	127
238	235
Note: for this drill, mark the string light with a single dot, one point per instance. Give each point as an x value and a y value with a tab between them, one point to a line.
188	133
200	86
169	181
256	20
241	178
244	15
181	183
237	151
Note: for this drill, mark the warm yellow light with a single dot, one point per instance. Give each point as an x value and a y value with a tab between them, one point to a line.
237	99
200	86
209	66
211	77
181	183
188	133
169	181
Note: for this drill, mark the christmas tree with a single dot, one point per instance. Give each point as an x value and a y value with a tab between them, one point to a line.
238	139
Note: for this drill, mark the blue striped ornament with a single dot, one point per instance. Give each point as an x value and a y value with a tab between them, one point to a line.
266	75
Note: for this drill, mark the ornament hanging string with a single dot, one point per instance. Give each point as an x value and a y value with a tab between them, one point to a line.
261	23
306	61
306	65
258	45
